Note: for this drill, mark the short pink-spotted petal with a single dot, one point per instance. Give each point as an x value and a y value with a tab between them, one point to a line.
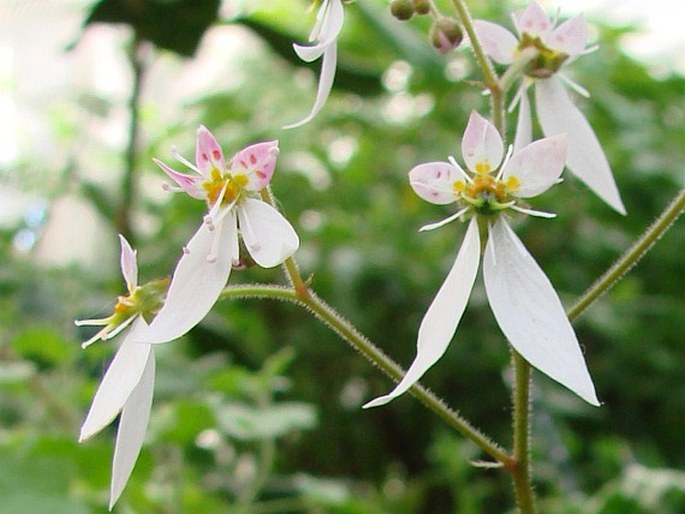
530	314
538	166
131	432
481	147
121	378
188	183
441	320
557	115
330	59
434	182
208	153
497	42
533	21
268	236
129	264
524	121
257	162
197	282
570	37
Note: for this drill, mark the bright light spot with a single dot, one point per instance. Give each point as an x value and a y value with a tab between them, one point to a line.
457	69
341	150
311	220
396	77
309	166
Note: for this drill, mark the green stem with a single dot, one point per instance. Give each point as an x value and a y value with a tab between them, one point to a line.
363	345
128	183
489	74
520	471
631	257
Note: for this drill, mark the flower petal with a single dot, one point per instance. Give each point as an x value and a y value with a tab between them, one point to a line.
481	147
538	166
268	236
434	181
570	37
443	315
208	154
533	21
530	313
524	122
330	19
557	114
196	283
257	162
497	42
330	58
129	264
121	378
188	183
132	427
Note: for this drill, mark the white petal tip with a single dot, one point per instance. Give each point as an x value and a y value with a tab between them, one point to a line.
378	402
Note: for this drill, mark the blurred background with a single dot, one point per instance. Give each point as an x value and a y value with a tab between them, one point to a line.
257	410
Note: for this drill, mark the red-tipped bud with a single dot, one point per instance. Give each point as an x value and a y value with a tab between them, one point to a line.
446	34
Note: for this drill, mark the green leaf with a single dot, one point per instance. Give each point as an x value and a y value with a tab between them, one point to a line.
250	423
176	25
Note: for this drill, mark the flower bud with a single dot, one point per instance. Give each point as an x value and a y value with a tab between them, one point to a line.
445	34
422	6
403	10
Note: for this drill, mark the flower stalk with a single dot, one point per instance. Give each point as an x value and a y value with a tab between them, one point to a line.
631	257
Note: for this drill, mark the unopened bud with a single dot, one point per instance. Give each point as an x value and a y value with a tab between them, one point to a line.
422	6
446	34
403	10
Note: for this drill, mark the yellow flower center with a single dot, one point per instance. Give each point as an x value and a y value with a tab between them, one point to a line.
234	185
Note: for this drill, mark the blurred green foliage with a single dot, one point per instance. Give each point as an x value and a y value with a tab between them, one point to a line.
258	408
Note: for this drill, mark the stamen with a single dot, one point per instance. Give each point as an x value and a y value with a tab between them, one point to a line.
522	90
532	212
510	150
213	252
574	85
91	322
117	330
183	160
590	49
171	188
186	250
453	162
207	220
100	335
449	219
246	228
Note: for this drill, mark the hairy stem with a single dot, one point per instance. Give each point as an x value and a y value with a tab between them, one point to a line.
363	345
631	257
490	76
520	471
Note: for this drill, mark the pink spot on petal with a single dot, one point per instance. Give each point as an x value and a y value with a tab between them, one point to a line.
260	174
253	159
204	157
216	154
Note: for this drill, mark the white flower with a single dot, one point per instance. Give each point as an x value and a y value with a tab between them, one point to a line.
324	36
522	298
232	196
128	383
554	47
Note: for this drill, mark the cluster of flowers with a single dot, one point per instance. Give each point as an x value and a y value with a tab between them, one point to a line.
494	184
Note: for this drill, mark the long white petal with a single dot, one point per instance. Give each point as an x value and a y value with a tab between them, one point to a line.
330	19
268	236
131	432
121	378
443	316
524	122
196	283
586	159
530	313
330	59
537	166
